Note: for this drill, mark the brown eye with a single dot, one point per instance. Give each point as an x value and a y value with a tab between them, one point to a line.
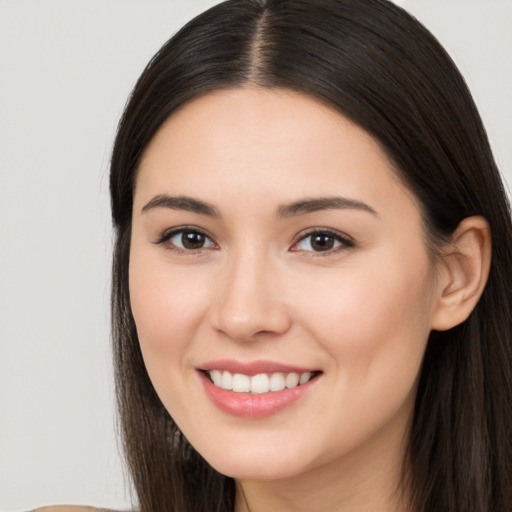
192	240
322	241
187	240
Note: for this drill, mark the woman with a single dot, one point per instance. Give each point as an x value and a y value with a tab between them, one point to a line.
311	275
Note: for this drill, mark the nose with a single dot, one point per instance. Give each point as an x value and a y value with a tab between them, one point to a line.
250	301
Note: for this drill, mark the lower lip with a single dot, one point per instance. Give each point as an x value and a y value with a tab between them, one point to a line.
246	405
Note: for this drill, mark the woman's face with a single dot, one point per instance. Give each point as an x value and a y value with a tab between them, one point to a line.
274	246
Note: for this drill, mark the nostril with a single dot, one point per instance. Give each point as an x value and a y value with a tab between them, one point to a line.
257	324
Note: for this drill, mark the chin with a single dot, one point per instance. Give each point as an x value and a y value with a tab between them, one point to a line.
248	470
257	464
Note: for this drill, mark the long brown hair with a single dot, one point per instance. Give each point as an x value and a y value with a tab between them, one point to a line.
378	66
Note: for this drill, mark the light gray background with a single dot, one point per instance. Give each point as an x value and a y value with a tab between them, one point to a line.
66	68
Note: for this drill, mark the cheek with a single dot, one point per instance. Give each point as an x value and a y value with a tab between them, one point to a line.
367	317
374	326
168	305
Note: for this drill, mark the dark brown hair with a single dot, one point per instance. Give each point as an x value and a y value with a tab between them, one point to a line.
378	66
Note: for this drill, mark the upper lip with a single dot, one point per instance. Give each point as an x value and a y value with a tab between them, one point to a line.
253	367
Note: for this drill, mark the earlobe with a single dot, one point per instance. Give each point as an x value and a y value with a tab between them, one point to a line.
463	273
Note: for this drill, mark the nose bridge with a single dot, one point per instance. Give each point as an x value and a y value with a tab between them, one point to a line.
250	301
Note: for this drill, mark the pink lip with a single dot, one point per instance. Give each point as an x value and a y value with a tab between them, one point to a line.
247	405
253	367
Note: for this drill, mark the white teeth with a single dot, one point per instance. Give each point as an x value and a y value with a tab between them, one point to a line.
216	377
277	382
241	383
260	383
292	379
305	377
227	381
257	384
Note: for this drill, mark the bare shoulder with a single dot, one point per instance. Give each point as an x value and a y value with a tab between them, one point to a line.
71	508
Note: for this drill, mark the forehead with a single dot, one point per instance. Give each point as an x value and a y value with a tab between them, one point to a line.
271	144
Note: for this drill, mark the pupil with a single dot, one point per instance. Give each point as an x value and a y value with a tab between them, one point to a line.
192	240
322	242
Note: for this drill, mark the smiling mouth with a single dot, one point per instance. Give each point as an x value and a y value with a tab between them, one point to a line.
260	383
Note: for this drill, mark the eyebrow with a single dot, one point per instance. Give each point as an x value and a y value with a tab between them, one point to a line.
188	204
322	203
296	208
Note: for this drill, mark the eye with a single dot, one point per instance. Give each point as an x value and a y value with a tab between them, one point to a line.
322	241
187	239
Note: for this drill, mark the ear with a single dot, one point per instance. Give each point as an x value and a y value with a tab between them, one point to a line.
462	273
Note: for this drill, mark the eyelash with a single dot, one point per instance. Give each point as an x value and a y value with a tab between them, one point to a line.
343	241
165	238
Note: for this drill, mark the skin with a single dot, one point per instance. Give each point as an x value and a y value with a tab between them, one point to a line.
360	313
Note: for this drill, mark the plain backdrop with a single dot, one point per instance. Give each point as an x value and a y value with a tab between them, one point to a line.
66	69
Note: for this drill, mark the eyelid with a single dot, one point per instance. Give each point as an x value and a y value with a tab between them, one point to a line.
346	241
165	237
